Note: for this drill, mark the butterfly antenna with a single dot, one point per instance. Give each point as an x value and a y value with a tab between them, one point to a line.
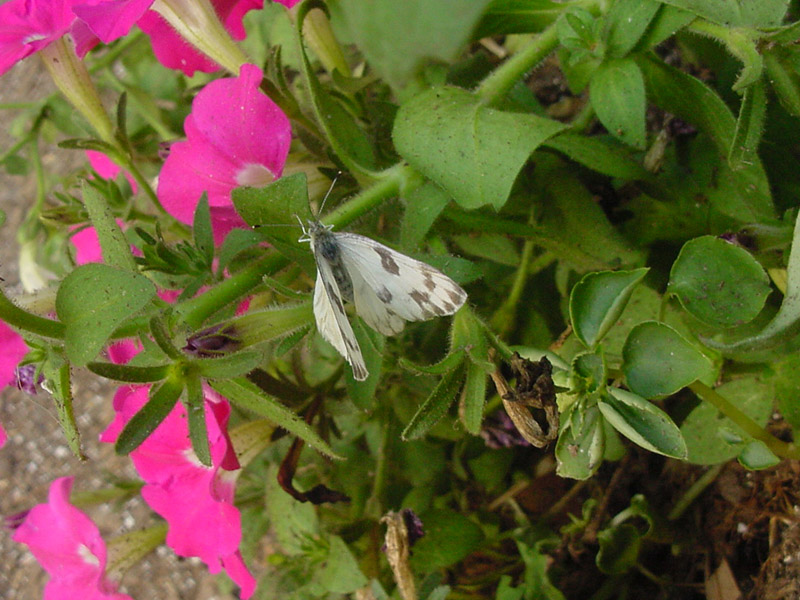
330	189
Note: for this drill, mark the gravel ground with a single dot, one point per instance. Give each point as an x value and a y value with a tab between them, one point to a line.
36	452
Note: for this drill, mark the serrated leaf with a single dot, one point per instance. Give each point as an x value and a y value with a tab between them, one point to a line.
618	96
472	151
643	423
658	361
435	406
250	397
597	301
92	301
162	400
718	283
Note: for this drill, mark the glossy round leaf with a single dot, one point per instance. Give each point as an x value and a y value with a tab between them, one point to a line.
597	301
643	423
658	361
580	445
719	283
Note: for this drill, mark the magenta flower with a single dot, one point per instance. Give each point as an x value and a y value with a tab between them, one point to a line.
235	136
184	491
12	349
68	545
27	26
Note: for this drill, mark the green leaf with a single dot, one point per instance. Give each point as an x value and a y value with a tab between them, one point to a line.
756	456
787	389
712	438
491	246
250	397
128	373
229	366
115	248
196	416
749	126
736	13
517	16
340	573
447	364
643	423
667	22
347	139
579	449
626	23
92	301
618	98
430	30
423	205
659	361
295	524
619	549
162	400
597	301
589	372
472	151
696	103
201	229
783	73
718	283
473	397
449	537
362	393
56	373
604	155
435	406
786	324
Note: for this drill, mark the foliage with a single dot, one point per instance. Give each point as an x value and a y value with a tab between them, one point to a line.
634	227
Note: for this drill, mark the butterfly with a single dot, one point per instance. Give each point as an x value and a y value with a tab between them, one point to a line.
388	288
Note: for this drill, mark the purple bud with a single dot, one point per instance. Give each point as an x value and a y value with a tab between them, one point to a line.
214	341
26	379
163	150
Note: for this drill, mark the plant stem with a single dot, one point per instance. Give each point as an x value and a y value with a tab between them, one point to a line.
750	427
503	78
693	492
21	319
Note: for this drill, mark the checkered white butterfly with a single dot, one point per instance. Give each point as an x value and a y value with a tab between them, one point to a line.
388	288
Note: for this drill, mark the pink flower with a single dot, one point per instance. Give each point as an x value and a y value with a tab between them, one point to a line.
235	136
69	547
184	491
112	19
12	349
27	26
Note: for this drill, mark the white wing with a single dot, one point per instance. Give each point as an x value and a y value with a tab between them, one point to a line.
332	321
389	287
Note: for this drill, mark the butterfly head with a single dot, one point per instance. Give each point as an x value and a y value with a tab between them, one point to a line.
312	229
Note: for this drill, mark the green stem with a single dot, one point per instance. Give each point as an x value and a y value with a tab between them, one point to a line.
750	427
740	42
21	319
502	79
503	318
693	492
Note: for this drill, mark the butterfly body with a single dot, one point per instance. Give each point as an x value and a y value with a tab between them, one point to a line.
388	288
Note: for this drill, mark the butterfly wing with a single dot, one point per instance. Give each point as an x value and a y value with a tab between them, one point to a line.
389	287
332	321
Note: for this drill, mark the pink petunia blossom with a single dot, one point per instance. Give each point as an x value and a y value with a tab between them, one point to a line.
68	546
235	136
184	491
12	349
27	26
